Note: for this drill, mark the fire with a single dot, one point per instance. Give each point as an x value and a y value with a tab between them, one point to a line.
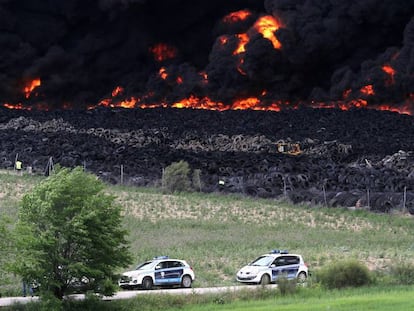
367	90
237	16
223	40
31	86
163	73
117	91
267	25
204	75
391	73
199	103
343	105
247	103
243	40
109	102
128	103
162	52
346	93
239	67
16	106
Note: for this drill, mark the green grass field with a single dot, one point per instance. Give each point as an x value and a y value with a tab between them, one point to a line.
217	234
377	299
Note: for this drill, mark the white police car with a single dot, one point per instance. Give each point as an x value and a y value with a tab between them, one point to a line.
269	267
161	271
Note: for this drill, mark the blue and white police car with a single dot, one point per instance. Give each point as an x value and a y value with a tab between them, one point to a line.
268	268
161	271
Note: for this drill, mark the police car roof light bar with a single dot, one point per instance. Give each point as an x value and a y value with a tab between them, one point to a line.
278	251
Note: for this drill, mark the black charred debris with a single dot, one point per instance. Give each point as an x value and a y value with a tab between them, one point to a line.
355	159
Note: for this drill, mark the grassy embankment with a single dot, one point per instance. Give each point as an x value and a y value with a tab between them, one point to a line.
363	299
218	234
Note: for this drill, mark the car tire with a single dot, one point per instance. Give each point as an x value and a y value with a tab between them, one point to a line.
265	279
302	277
147	283
186	281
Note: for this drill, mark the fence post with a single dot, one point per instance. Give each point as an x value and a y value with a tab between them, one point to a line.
163	179
368	203
122	174
49	167
324	196
15	160
404	199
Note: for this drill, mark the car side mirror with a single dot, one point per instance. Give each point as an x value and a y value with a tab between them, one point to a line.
272	265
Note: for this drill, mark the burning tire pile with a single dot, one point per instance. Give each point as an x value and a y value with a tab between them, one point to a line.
356	158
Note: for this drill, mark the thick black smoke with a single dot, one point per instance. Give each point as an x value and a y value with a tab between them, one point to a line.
82	50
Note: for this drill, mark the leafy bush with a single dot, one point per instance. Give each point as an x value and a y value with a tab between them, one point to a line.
176	177
402	273
348	273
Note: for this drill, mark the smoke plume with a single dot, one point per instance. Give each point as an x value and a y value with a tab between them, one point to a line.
213	54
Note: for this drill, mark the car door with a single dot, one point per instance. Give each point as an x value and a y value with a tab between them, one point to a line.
286	266
159	273
168	272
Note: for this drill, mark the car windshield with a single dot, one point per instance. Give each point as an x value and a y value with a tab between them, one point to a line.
262	261
144	265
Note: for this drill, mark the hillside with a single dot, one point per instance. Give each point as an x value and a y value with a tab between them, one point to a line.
218	234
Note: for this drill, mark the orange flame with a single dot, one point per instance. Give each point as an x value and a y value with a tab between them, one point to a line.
163	73
243	40
391	73
247	103
31	86
267	25
16	106
117	91
199	103
109	102
223	40
367	90
204	75
162	52
237	16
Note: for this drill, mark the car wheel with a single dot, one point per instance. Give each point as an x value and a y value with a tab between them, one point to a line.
147	283
302	277
186	281
265	279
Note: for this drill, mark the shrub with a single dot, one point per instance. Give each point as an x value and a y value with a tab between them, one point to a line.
348	273
402	273
176	177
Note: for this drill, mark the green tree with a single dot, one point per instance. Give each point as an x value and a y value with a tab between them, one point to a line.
69	231
176	177
5	250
